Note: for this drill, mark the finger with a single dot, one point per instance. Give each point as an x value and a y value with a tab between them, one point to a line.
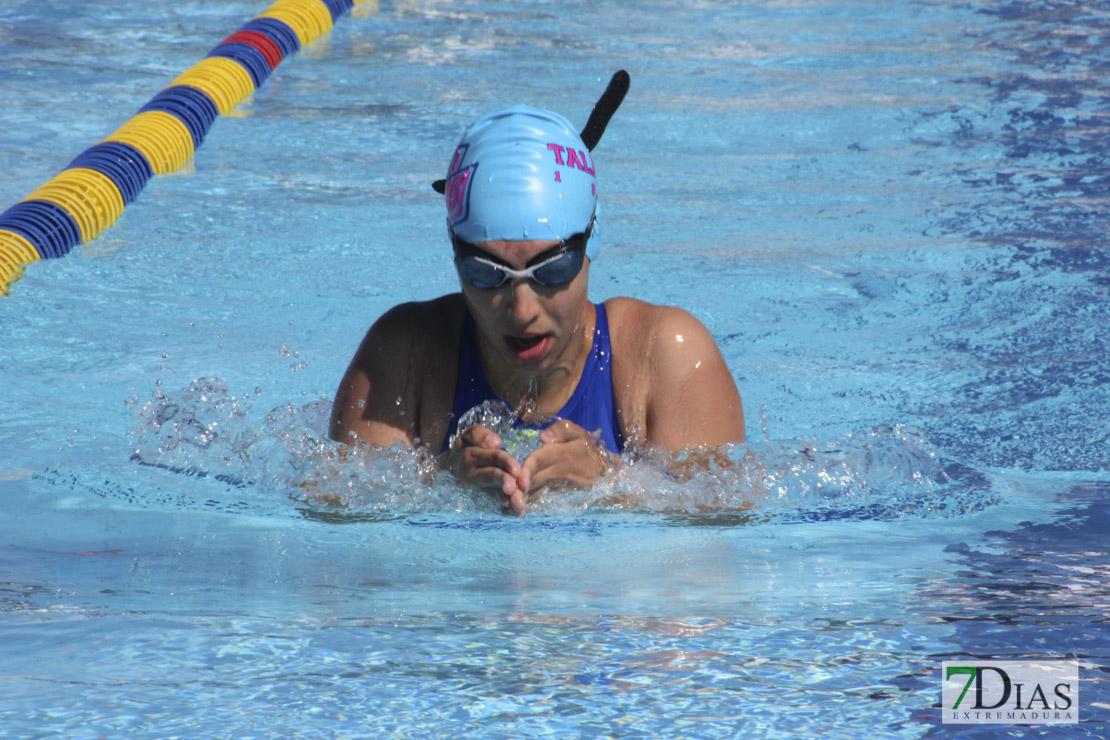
512	497
480	436
495	482
527	470
477	449
562	431
483	463
577	461
514	503
543	467
545	476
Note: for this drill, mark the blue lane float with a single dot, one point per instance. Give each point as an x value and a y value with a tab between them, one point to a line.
122	163
191	106
79	202
276	31
50	229
253	60
338	7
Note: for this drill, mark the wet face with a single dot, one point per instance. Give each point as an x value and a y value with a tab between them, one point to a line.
524	326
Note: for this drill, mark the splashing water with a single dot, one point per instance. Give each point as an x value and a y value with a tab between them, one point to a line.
205	431
199	430
519	433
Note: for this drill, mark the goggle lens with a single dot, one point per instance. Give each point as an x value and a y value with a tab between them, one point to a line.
476	268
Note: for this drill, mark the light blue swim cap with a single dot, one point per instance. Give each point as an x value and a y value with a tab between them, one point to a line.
522	173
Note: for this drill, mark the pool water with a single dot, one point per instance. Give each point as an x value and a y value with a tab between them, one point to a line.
891	215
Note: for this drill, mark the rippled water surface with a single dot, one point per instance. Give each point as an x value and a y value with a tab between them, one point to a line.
891	215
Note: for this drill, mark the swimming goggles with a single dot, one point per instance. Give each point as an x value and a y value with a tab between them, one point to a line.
556	266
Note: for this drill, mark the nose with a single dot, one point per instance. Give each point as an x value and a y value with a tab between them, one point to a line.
524	305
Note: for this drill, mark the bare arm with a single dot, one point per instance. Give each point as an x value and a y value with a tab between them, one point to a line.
377	401
693	400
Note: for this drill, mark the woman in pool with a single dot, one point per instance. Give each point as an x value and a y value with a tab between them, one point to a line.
522	217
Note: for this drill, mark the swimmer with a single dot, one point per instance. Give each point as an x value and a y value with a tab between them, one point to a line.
524	224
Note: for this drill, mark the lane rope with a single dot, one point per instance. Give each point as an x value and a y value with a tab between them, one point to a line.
91	192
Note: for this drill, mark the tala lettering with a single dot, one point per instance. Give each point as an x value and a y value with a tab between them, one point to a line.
576	158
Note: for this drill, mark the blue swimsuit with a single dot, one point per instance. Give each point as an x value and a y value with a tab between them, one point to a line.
591	407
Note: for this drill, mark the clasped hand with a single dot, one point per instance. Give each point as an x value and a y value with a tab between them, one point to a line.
568	457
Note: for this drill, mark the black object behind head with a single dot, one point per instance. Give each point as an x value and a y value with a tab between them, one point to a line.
603	110
606	106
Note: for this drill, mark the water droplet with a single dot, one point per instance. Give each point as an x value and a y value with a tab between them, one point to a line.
362	403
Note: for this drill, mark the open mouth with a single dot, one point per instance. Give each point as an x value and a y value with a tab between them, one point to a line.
528	346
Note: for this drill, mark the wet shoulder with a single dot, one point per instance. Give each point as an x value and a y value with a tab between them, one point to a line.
636	326
423	332
415	318
652	341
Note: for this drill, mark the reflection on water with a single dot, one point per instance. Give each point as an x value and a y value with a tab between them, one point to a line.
1054	172
893	215
204	430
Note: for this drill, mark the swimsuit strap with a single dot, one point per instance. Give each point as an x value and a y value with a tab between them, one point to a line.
592	405
471	386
